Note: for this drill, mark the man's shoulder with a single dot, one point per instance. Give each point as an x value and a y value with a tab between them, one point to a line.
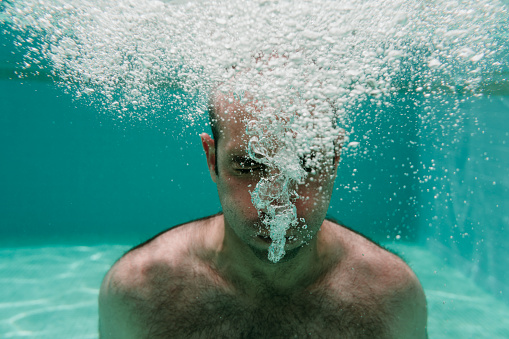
370	258
154	273
166	254
383	279
178	234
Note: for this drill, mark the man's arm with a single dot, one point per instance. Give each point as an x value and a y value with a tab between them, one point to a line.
116	305
410	310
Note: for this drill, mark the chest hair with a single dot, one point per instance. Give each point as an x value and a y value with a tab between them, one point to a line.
209	313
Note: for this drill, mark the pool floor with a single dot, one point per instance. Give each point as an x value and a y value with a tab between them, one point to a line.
51	293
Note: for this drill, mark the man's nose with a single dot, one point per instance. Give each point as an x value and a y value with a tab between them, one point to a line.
282	189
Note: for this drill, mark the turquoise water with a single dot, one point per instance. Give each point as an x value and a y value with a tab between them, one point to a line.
51	292
430	172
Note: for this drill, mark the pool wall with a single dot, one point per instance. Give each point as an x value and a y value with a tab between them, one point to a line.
72	172
465	217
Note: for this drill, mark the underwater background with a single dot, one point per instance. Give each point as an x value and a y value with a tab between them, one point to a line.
78	187
70	173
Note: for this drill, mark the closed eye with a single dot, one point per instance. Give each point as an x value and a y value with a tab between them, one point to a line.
245	170
303	165
247	165
306	162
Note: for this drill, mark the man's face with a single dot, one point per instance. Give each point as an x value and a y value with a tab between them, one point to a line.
237	176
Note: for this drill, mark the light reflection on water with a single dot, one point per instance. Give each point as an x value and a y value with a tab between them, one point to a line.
51	292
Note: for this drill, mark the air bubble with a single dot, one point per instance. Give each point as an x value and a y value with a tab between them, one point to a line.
310	65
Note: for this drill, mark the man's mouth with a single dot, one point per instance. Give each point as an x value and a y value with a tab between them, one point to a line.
267	239
264	238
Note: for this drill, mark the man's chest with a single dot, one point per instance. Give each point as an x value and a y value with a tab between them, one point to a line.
216	315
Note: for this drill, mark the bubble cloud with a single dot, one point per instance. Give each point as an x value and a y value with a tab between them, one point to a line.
308	63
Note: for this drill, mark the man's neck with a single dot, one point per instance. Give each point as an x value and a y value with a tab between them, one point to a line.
252	273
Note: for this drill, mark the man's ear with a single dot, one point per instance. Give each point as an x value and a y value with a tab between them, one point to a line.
210	153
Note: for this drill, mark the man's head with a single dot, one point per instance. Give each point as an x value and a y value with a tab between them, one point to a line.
237	174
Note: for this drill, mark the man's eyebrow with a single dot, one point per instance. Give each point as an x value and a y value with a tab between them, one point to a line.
244	159
310	155
241	158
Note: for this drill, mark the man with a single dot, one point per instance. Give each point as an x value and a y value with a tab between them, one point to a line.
211	278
